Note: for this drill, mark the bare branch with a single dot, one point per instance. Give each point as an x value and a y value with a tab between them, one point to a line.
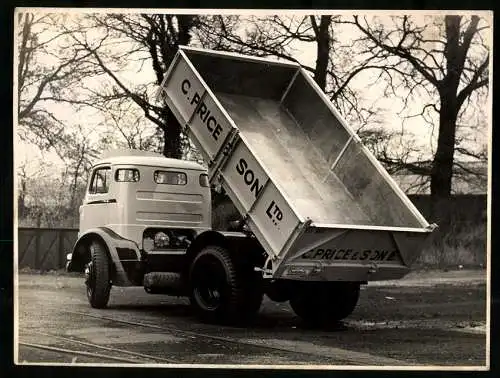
418	64
474	82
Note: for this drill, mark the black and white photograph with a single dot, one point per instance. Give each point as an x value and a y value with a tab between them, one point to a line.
252	189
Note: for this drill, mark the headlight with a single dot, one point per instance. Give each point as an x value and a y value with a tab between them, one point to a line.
161	240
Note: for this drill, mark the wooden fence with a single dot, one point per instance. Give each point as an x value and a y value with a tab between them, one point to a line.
45	248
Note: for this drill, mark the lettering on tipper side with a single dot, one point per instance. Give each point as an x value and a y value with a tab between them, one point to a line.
350	254
211	123
274	213
249	177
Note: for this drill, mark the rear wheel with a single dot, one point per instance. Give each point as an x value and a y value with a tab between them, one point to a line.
278	291
97	277
224	288
324	304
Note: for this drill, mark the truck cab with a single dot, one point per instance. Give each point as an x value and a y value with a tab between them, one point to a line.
144	219
139	195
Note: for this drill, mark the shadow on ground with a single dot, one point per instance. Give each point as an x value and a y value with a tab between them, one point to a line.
265	320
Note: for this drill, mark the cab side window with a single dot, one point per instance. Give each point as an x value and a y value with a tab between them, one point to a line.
127	175
204	182
100	181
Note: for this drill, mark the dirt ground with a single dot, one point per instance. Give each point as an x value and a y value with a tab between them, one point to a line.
428	318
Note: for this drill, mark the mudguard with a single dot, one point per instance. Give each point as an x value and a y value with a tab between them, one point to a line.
124	254
246	246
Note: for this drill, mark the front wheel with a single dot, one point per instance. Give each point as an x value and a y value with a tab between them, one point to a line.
324	304
97	277
224	289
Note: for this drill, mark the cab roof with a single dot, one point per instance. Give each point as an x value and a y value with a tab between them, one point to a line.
133	157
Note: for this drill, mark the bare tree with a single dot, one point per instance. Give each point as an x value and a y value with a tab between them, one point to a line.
78	154
43	191
23	187
444	59
46	70
140	39
126	127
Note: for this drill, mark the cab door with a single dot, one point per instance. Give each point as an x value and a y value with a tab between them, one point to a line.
98	199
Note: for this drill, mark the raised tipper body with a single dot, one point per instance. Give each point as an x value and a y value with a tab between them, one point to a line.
318	201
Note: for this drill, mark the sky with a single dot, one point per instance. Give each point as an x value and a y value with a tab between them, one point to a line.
306	54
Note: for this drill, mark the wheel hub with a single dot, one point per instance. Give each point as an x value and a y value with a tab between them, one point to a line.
213	294
209	296
209	285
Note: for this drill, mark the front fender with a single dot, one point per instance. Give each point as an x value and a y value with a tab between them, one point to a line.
124	254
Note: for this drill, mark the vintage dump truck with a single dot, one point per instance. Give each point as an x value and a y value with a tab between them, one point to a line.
319	215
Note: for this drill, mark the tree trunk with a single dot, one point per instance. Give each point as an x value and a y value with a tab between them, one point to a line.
186	23
74	184
323	42
172	136
21	199
442	168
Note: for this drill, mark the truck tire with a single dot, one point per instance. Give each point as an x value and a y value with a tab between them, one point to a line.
325	304
97	277
223	288
278	291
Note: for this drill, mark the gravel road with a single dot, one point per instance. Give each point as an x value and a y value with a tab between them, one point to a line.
427	319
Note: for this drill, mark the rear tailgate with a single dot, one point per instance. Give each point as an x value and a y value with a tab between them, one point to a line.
349	254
